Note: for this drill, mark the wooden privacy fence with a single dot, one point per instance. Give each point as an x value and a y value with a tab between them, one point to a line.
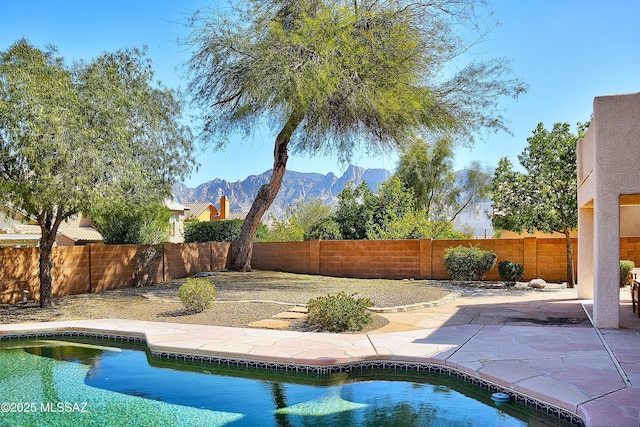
95	268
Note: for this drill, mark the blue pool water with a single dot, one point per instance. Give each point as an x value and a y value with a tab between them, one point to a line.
58	383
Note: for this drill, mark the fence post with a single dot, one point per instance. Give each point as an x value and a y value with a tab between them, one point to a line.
90	279
314	256
210	246
425	258
164	263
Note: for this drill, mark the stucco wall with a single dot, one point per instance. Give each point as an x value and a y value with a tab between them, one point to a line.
629	221
607	175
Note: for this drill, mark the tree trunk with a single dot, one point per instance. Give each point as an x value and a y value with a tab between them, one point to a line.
48	230
265	197
571	278
46	244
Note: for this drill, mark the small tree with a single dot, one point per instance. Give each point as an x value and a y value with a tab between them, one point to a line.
387	214
392	203
299	220
119	222
428	170
71	136
326	229
354	214
442	195
415	225
363	214
545	196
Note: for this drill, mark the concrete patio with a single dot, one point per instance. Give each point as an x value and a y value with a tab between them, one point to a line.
539	344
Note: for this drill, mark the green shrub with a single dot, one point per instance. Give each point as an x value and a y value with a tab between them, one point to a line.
325	229
510	272
197	294
339	312
626	267
218	231
468	263
121	223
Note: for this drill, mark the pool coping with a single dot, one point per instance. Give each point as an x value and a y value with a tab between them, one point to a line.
190	343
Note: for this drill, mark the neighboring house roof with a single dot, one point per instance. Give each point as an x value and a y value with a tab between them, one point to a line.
81	235
175	206
196	209
21	234
26	229
19	240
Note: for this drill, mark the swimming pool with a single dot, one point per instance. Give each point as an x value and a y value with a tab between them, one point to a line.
60	383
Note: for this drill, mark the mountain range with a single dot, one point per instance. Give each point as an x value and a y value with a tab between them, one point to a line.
295	186
304	185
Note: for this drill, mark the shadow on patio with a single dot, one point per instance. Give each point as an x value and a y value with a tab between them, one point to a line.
496	307
628	319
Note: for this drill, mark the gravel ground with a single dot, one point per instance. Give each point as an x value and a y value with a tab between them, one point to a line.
242	298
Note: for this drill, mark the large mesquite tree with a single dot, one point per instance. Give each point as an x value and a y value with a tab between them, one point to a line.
333	76
72	136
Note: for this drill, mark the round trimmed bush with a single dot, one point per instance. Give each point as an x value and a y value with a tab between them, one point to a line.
218	231
339	312
197	294
510	271
626	267
468	263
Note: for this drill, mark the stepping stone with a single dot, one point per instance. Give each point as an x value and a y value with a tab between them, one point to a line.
161	296
270	324
289	315
152	297
299	309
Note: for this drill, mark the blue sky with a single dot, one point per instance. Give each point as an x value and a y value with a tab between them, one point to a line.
568	51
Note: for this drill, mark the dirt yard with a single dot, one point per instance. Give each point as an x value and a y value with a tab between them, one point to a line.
242	298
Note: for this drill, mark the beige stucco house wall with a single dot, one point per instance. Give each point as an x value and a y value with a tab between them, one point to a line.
608	200
178	214
201	211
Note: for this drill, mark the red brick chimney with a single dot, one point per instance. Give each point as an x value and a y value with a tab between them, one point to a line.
224	207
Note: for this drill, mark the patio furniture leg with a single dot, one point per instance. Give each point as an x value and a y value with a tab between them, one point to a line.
634	297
